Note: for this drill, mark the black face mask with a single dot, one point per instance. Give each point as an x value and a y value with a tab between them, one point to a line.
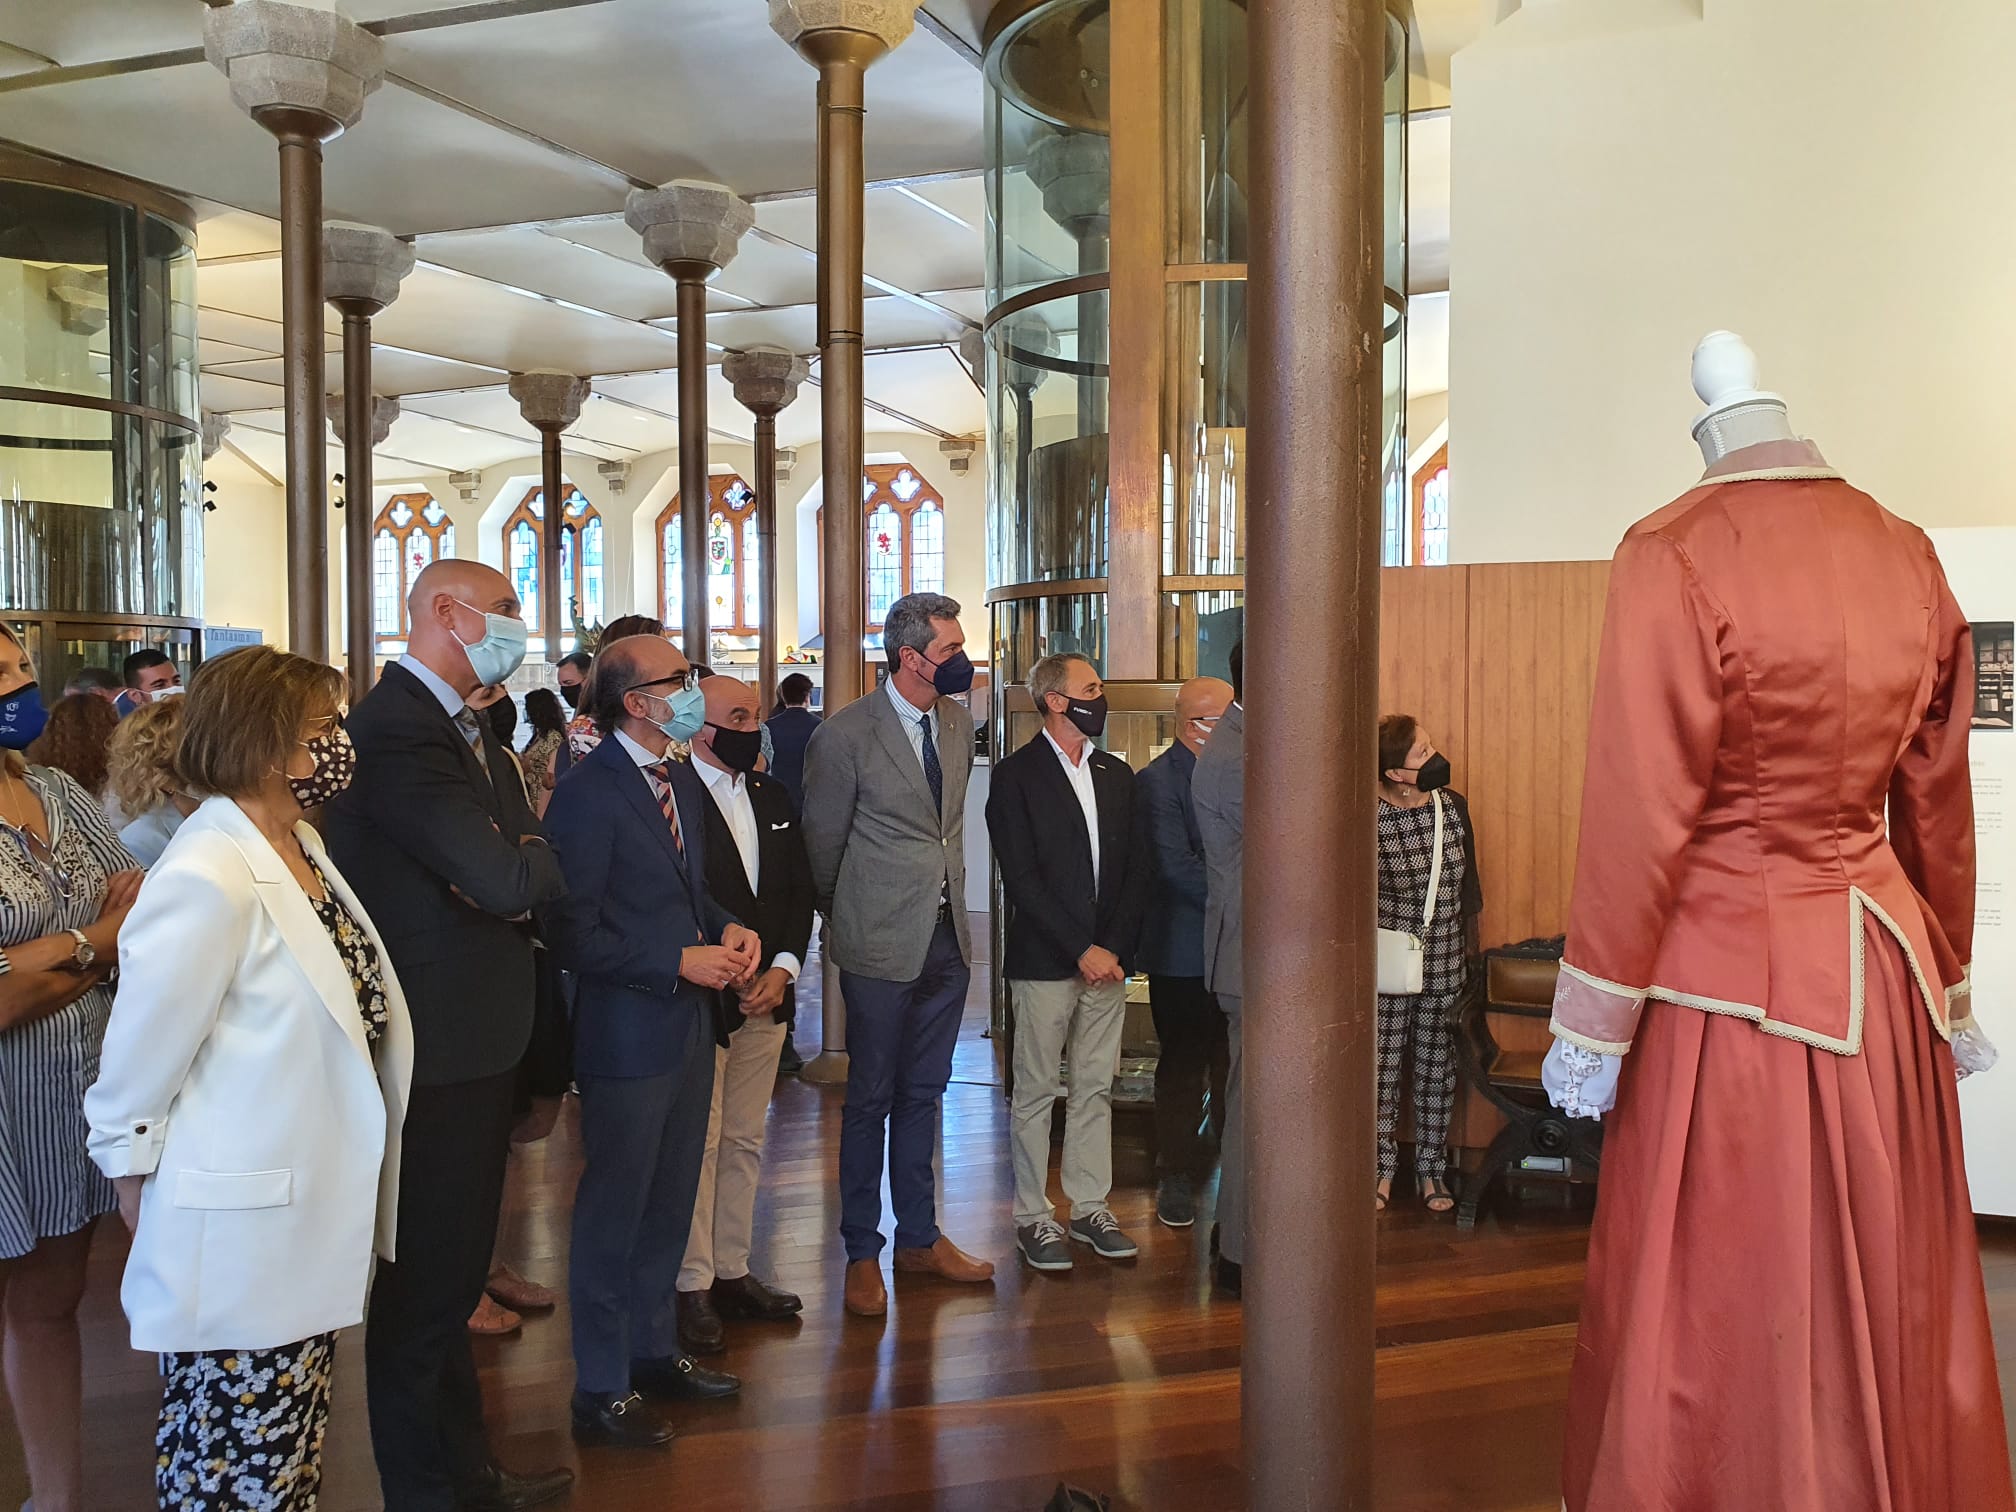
572	695
1434	773
1088	715
739	750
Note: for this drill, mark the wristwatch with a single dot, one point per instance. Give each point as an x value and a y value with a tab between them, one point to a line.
86	954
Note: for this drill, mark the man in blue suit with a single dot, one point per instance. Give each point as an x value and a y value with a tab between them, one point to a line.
1188	1025
649	948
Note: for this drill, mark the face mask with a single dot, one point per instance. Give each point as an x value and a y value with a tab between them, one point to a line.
738	749
500	652
1434	773
21	718
1088	715
335	765
571	695
952	676
173	691
685	714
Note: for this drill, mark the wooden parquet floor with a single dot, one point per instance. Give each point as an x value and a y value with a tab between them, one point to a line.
1122	1379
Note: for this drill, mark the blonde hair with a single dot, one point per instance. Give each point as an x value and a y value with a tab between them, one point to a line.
141	762
15	763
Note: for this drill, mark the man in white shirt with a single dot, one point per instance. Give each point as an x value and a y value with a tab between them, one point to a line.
1061	816
758	871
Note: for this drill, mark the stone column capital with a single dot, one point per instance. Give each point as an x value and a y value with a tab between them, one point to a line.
888	22
1074	172
690	227
294	58
215	428
82	297
973	352
766	379
549	400
362	265
383	413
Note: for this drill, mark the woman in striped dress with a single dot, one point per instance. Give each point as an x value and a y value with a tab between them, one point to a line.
66	884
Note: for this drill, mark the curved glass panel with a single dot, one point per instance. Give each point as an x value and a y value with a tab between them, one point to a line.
1198	632
58	252
1204	421
1049	164
1026	631
1047	366
1207	118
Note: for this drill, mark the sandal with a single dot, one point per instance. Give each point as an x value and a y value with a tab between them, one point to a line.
493	1320
1435	1194
517	1294
1382	1194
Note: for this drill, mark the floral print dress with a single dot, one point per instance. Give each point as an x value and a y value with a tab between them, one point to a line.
242	1431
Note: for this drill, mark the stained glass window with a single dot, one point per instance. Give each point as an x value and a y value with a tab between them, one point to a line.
581	559
734	590
409	532
884	561
927	549
900	507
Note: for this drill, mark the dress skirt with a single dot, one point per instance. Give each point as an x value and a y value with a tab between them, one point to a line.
1785	1310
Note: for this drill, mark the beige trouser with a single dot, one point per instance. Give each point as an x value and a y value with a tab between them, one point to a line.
724	1209
1079	1025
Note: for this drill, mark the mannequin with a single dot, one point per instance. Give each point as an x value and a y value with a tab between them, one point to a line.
1772	926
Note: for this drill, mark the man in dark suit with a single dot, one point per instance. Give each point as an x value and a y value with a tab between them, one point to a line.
885	805
757	870
1188	1025
1061	816
436	837
1218	788
649	948
791	729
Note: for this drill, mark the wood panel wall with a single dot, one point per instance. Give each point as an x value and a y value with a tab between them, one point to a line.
1498	661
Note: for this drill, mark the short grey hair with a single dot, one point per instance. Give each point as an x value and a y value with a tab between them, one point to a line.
908	623
1048	676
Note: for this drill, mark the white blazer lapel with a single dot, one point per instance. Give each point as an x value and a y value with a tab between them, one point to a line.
287	905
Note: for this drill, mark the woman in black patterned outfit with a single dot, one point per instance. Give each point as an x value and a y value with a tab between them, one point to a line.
1413	791
66	884
251	1095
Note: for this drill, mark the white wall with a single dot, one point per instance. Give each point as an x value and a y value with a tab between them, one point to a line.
1630	174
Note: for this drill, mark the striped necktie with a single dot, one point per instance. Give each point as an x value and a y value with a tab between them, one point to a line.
473	733
661	784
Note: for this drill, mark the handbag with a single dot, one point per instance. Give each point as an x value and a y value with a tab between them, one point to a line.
1403	957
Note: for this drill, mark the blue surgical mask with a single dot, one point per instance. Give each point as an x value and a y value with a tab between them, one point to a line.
686	713
21	718
500	652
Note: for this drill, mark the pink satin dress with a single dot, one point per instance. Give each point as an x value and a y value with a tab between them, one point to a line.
1773	916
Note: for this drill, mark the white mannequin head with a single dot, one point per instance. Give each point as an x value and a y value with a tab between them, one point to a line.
1739	413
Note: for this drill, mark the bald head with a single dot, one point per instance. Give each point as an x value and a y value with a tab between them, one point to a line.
447	606
731	706
1200	703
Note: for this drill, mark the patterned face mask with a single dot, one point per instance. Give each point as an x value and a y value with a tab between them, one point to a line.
335	764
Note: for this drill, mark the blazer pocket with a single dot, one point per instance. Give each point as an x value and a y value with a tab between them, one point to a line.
225	1190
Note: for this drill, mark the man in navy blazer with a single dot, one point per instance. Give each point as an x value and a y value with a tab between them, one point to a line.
649	948
1188	1026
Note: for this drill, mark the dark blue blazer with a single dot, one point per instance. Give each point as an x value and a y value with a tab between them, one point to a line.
1172	931
634	903
791	730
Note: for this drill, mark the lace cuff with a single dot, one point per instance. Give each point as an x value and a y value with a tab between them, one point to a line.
1580	1082
1973	1052
1595	1014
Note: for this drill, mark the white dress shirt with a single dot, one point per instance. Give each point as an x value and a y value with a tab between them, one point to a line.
1079	773
451	702
730	792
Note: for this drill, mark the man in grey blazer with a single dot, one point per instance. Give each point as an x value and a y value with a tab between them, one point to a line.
1219	788
884	824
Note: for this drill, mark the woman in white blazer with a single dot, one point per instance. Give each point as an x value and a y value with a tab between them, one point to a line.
251	1093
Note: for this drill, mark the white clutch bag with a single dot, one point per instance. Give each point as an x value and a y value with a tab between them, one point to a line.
1403	957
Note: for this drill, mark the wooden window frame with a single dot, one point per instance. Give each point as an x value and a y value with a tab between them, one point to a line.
719	486
384	525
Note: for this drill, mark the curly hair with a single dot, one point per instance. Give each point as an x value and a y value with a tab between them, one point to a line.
76	738
141	762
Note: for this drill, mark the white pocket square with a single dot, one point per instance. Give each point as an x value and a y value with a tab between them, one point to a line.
785	825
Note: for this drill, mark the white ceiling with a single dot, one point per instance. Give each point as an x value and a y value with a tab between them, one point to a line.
503	146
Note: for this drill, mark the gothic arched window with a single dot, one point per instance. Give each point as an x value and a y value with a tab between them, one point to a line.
734	576
580	559
411	531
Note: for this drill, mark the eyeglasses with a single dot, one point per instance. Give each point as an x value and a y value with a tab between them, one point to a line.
42	861
677	680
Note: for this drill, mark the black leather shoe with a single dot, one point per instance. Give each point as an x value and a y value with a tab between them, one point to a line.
789	1061
683	1379
1231	1277
500	1491
700	1329
747	1297
626	1421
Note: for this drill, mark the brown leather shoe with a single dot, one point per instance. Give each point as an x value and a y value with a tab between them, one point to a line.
867	1297
945	1259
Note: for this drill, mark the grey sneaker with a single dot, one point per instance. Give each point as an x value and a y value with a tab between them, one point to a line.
1175	1202
1043	1246
1108	1240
